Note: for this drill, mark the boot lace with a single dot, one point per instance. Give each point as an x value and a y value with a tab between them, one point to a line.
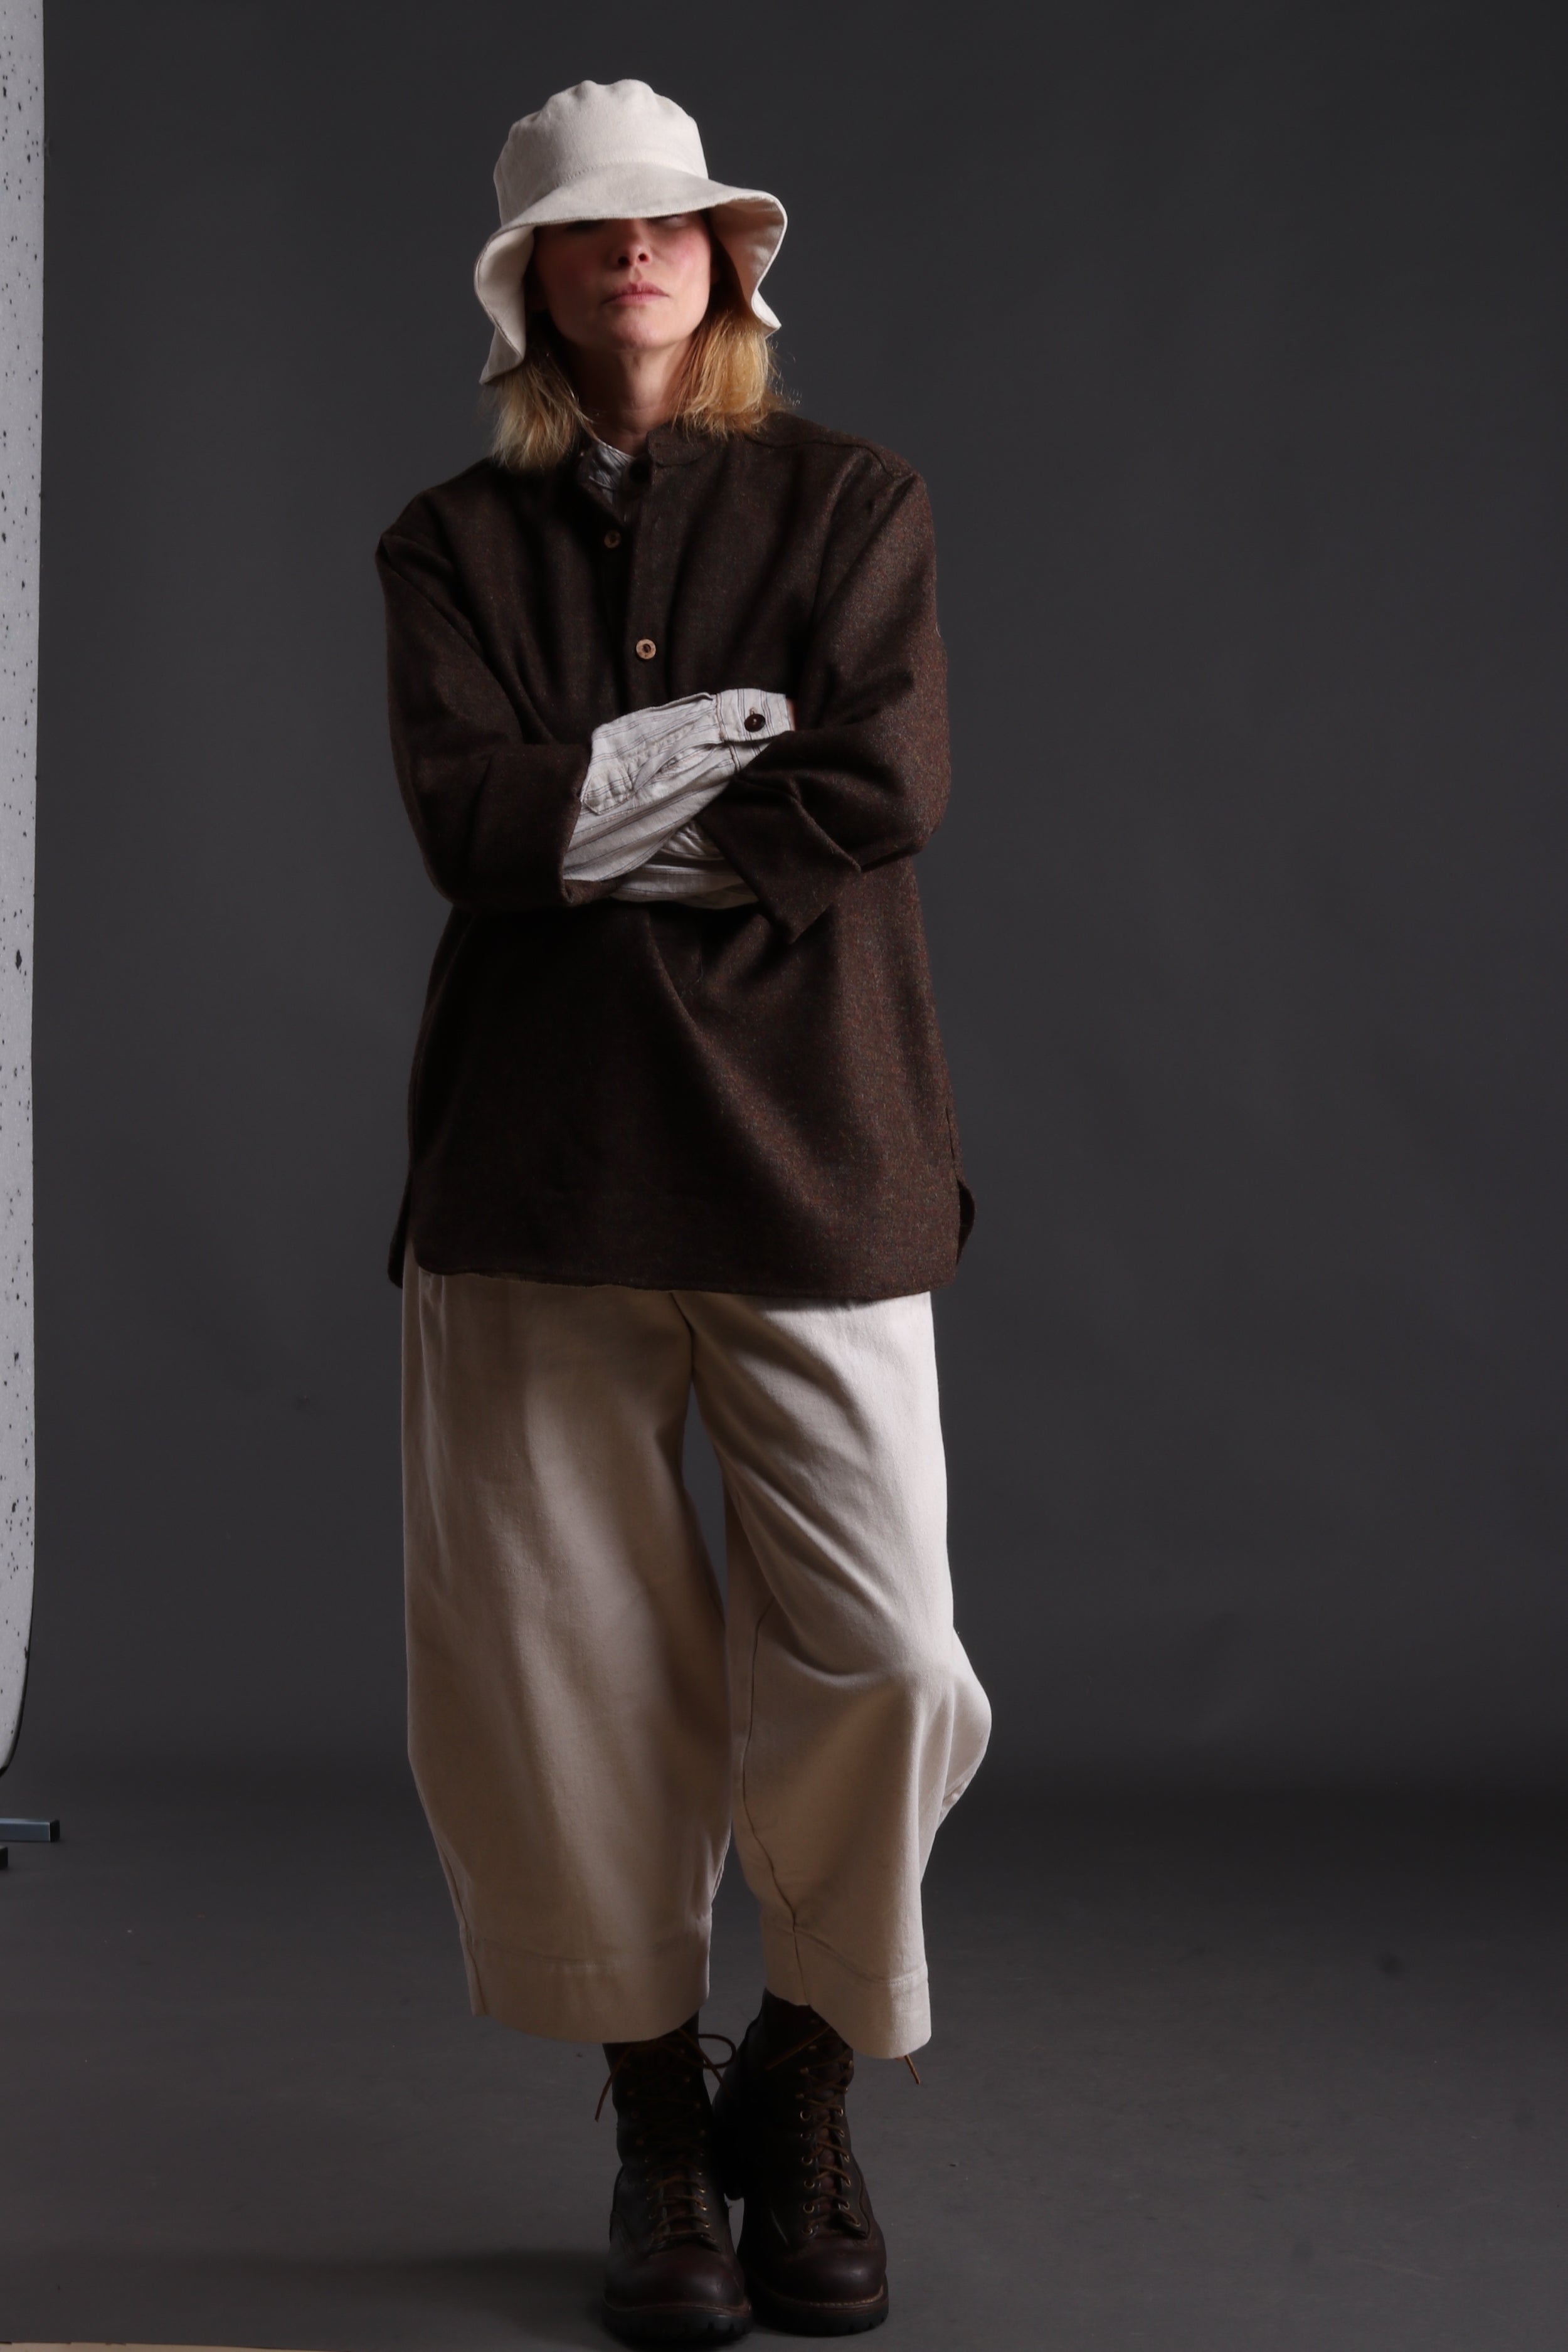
666	2124
821	2077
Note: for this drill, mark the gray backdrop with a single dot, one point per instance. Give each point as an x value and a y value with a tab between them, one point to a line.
1231	341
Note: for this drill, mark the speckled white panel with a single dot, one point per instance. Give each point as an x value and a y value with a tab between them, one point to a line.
21	387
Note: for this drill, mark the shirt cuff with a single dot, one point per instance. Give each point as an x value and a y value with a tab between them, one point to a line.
653	772
745	716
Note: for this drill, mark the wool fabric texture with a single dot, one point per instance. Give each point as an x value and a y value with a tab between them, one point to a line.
752	1098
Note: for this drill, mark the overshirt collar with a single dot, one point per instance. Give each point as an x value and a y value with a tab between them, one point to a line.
668	446
591	476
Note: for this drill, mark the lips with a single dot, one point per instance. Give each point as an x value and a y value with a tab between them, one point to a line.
640	294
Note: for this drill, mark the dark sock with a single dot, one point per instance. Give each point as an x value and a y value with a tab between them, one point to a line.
789	2015
782	2022
613	2050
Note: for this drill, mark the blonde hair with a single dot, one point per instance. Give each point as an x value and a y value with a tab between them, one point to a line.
728	385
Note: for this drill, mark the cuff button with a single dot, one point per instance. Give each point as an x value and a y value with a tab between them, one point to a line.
754	721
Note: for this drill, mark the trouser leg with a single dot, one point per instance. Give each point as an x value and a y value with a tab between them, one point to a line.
568	1722
857	1720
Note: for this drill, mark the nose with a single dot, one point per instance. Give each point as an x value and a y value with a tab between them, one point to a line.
632	244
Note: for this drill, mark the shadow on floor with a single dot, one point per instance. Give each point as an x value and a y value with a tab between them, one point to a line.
538	2295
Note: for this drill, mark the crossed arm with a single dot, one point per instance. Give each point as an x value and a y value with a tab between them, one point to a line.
508	823
650	776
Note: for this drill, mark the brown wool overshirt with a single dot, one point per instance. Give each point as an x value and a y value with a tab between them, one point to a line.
672	1096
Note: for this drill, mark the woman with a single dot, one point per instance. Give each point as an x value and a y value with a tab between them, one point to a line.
668	712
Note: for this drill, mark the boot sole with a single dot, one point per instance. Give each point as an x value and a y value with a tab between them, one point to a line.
794	2318
674	2324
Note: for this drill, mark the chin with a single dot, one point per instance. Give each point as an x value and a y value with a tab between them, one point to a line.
636	333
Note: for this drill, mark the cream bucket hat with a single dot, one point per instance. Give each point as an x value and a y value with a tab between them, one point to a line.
610	151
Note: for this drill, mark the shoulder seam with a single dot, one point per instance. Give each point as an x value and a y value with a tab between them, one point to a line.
826	436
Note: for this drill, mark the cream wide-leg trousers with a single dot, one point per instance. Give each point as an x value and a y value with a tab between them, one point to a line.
586	1720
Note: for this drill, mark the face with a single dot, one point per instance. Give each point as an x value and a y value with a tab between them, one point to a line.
629	285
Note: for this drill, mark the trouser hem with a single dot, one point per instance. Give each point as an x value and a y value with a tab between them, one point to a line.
630	1997
884	2017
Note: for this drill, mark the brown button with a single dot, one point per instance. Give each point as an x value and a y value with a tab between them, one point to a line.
611	539
754	721
645	649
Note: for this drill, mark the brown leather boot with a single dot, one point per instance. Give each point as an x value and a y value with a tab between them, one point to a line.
672	2277
813	2255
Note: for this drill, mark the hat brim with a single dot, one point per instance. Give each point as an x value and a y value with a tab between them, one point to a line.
747	223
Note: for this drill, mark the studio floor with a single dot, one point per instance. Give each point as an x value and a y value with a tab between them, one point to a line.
1235	2075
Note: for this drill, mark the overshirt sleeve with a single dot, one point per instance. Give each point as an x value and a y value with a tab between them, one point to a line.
863	777
492	812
